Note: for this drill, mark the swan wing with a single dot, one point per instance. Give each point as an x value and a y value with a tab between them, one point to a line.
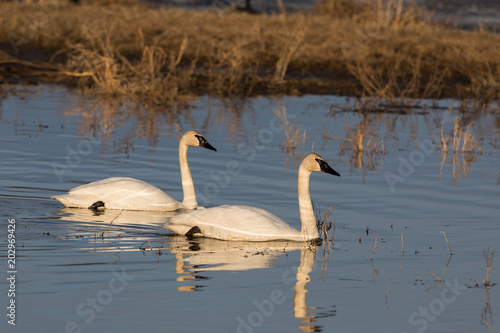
234	223
120	193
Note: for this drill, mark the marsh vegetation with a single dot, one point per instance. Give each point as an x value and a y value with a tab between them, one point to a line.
152	55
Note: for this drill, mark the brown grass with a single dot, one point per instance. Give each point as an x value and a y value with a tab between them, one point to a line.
464	147
463	141
489	261
324	226
377	48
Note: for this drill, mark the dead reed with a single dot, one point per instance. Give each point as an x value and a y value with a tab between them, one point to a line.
324	225
402	244
464	148
362	141
447	243
163	56
489	260
463	141
375	246
437	277
110	223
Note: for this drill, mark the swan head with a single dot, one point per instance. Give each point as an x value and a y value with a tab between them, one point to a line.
195	139
314	162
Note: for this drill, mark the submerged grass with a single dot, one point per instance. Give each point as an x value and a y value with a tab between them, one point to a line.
463	147
160	56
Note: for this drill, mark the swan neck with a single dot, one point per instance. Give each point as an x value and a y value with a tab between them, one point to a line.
309	229
189	201
307	257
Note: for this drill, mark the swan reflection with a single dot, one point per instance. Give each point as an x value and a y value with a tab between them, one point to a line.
199	255
196	256
116	217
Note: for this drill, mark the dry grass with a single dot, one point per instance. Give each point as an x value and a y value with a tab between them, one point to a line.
489	261
464	148
375	246
463	141
324	226
377	48
447	243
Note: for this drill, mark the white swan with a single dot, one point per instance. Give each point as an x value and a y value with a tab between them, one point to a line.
237	223
133	194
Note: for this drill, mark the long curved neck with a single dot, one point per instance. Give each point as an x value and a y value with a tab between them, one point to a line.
307	218
187	181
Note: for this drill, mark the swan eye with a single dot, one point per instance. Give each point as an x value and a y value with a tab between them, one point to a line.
201	139
326	168
204	143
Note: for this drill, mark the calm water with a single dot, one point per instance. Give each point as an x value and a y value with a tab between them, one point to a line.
74	274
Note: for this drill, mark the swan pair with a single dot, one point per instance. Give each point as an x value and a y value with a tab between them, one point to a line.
235	223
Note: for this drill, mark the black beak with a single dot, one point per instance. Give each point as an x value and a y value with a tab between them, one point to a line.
204	143
208	146
326	168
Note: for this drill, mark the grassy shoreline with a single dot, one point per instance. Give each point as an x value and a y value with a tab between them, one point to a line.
162	56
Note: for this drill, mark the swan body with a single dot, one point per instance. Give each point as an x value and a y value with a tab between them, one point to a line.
120	193
244	223
235	223
133	194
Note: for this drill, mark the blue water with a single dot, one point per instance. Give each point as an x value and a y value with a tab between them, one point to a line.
74	274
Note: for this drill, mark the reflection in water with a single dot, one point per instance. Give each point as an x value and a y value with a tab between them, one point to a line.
193	257
105	117
293	138
366	148
461	163
116	217
487	315
307	257
369	128
375	126
463	147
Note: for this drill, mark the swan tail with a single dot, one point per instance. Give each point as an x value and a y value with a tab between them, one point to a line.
193	231
75	201
179	229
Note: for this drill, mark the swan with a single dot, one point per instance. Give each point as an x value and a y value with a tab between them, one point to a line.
244	223
133	194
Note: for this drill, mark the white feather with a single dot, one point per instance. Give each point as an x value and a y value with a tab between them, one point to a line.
133	194
244	223
120	193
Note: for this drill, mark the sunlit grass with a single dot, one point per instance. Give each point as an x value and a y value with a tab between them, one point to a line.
385	49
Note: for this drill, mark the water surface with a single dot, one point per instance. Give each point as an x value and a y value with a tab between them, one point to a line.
73	273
